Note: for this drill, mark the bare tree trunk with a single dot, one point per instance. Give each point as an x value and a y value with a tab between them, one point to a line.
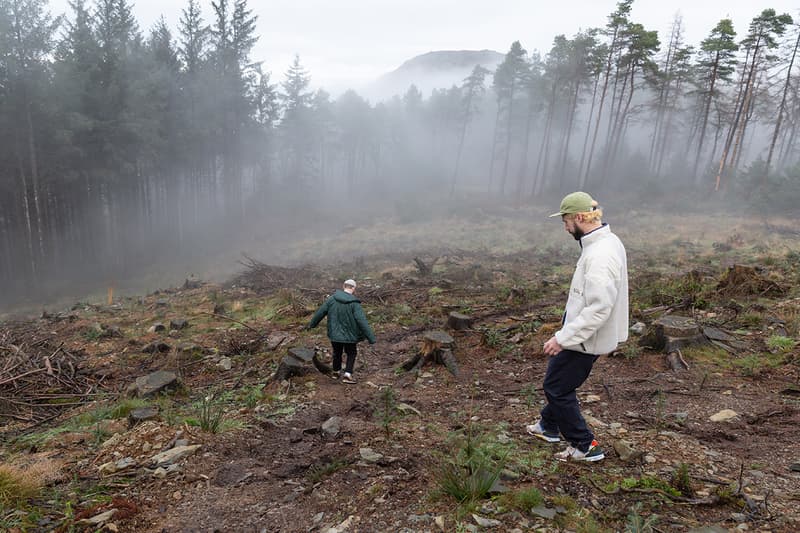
619	121
744	90
706	111
27	213
494	144
523	164
508	139
600	107
541	161
581	178
462	136
34	179
571	112
781	109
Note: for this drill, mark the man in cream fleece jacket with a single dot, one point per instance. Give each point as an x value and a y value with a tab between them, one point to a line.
595	322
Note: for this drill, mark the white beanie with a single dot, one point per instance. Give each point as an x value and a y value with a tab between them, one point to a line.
350	282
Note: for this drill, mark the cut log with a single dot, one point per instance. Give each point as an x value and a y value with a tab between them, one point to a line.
447	358
435	340
424	270
459	322
436	348
671	332
298	362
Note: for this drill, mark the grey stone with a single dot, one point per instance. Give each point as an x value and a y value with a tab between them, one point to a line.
370	455
178	323
180	443
638	328
173	455
156	347
625	450
509	475
419	519
141	414
724	415
124	463
225	363
332	426
154	383
498	487
97	520
486	522
192	282
681	417
544	512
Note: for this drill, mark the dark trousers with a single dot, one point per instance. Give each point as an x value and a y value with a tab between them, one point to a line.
565	373
351	351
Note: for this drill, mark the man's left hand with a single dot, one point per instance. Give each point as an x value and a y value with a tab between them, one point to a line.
551	347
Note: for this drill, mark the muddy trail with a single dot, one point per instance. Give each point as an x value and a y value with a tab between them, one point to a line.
212	443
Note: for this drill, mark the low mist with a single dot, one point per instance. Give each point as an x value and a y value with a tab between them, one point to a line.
131	158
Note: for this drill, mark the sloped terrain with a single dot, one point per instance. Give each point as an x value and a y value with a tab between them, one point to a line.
414	451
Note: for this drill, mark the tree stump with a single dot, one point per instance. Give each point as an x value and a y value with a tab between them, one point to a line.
436	348
670	333
676	362
459	322
296	363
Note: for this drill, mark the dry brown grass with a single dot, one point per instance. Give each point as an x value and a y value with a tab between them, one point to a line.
17	486
19	483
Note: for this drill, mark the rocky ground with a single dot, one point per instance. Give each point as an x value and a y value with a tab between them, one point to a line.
223	447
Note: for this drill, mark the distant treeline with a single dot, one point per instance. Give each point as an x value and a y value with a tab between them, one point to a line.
117	145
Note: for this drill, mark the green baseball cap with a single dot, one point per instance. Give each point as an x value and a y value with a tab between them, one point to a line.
576	202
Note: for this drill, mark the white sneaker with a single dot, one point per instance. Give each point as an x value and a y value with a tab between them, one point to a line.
594	453
537	431
347	377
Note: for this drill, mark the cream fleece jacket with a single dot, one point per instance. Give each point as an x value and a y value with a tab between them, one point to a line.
596	316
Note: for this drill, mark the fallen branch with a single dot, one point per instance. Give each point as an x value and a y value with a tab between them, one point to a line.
230	319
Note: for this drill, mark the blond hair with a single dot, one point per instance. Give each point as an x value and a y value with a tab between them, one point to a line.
595	215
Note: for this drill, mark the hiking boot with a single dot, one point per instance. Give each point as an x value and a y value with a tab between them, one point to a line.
347	377
537	431
594	453
335	374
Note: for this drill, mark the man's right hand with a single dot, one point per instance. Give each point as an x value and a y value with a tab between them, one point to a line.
551	347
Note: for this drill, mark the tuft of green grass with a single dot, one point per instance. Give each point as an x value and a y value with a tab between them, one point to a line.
523	499
317	473
210	413
120	409
779	343
755	364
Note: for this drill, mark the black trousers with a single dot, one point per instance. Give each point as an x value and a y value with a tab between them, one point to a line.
565	373
351	351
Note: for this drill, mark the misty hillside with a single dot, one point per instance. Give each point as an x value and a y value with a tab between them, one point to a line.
433	70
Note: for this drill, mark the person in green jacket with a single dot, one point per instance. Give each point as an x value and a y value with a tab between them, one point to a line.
347	326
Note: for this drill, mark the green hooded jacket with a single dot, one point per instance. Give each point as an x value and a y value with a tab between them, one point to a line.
346	319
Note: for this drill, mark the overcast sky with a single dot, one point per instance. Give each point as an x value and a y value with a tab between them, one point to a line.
349	42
